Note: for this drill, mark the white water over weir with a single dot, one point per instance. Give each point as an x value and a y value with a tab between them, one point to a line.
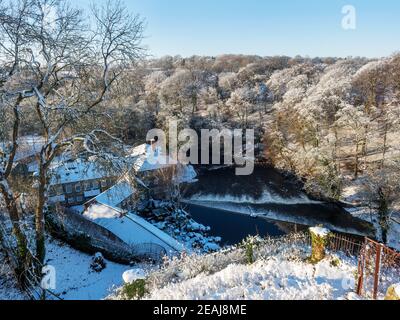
268	194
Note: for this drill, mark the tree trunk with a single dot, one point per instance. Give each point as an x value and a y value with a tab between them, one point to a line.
39	217
356	162
22	243
336	155
365	146
383	211
384	146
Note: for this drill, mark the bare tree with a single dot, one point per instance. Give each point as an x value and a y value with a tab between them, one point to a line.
63	69
13	22
382	189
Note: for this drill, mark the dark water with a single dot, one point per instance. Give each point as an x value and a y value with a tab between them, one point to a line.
233	226
224	181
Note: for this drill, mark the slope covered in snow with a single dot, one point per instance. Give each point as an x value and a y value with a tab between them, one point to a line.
270	279
279	270
393	235
8	285
75	280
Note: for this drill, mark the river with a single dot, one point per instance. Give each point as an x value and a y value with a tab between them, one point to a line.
267	203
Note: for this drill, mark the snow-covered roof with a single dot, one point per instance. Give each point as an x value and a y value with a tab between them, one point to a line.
142	164
146	159
115	195
28	146
141	158
130	228
75	171
139	150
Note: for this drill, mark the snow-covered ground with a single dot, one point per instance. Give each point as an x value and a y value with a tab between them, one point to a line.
280	271
8	285
178	224
394	228
74	278
394	234
269	279
353	194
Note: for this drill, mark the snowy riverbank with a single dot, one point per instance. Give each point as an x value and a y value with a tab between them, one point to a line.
280	271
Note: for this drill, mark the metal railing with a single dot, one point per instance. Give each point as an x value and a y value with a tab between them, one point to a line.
350	245
377	264
149	251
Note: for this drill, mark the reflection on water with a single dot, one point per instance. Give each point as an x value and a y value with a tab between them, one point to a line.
223	197
233	227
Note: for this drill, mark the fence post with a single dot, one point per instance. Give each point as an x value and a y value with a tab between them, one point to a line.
360	275
361	263
377	269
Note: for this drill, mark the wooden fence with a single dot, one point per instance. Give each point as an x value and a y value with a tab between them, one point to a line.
351	245
377	263
348	244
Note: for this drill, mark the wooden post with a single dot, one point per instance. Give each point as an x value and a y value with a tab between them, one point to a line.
361	264
377	269
360	275
319	242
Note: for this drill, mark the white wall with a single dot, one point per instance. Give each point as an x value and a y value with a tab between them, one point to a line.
131	228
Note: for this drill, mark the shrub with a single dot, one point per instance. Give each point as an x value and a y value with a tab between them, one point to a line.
249	245
134	290
335	262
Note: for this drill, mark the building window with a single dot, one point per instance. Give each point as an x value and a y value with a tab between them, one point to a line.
79	199
95	185
88	186
78	188
68	188
60	190
70	200
52	191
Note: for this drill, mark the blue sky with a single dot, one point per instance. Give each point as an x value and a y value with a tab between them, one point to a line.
268	27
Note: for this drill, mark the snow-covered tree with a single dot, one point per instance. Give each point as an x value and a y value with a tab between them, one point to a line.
62	69
152	87
382	190
242	103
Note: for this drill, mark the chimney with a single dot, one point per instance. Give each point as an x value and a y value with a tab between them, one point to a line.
152	144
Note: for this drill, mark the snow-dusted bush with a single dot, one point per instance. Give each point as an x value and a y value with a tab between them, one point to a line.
135	290
179	269
280	270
